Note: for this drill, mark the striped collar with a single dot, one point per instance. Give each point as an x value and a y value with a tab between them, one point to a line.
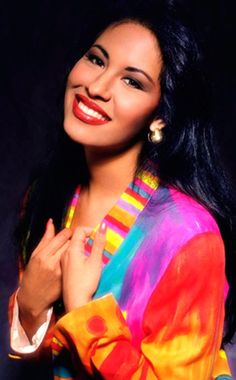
124	213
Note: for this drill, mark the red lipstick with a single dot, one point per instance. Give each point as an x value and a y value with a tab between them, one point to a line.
81	113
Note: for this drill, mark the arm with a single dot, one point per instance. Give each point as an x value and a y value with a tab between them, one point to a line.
40	287
19	342
182	323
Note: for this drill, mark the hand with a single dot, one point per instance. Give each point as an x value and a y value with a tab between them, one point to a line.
41	283
80	273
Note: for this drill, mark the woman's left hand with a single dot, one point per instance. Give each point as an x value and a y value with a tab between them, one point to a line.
80	273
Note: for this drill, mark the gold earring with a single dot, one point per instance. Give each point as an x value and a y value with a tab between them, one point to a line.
155	136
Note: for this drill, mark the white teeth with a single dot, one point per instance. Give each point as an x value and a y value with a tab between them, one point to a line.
91	112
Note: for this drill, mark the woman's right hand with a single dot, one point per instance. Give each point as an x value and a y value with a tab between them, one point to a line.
42	284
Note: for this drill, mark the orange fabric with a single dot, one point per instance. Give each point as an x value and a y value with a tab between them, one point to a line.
179	342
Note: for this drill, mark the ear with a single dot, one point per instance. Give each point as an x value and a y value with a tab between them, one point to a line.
157	124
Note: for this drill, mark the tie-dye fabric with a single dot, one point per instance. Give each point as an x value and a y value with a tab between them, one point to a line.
158	311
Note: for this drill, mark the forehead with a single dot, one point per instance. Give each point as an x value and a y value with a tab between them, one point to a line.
132	43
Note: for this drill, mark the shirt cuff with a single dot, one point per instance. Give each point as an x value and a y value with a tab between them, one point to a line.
19	340
93	329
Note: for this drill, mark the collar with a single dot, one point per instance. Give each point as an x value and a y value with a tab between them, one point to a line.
124	213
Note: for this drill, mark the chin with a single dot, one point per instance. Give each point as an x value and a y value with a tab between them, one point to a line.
75	131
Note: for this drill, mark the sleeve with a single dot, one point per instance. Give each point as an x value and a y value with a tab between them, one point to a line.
182	323
18	339
19	342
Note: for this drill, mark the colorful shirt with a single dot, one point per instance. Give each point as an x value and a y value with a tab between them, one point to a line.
158	311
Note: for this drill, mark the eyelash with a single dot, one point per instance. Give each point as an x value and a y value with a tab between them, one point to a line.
94	59
134	83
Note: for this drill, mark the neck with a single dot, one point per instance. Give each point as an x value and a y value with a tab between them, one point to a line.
110	173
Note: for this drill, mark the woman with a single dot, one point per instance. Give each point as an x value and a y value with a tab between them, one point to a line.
140	264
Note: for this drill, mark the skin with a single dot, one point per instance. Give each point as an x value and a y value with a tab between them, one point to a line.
41	283
107	82
130	100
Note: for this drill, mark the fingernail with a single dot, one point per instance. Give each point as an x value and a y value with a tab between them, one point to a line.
103	228
50	221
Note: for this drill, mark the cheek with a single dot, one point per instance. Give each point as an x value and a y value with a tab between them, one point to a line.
73	74
136	110
68	99
80	75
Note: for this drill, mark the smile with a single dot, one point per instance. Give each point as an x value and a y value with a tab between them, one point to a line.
88	111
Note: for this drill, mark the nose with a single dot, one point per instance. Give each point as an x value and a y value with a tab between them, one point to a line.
100	87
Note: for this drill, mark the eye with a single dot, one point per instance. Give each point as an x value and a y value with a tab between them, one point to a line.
93	58
133	83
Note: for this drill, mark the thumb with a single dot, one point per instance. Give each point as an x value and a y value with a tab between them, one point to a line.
99	244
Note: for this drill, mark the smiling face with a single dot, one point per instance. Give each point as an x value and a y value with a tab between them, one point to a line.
113	90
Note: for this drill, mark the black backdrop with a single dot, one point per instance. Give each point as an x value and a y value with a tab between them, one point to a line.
35	41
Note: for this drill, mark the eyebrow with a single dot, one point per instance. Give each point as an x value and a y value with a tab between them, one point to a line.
104	52
129	68
135	69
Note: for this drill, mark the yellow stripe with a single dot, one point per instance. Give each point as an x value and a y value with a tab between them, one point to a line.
122	216
68	223
149	179
132	201
69	217
113	240
71	212
109	247
113	237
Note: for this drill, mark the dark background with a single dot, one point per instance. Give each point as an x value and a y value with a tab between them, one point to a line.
36	40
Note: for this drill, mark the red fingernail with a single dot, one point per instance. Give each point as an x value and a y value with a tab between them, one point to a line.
103	228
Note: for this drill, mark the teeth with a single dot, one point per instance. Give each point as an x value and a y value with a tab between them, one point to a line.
91	112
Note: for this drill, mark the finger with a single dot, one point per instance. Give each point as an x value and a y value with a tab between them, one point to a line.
57	242
79	239
49	234
98	244
58	254
87	230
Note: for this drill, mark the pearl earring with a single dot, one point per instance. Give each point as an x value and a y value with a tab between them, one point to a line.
155	135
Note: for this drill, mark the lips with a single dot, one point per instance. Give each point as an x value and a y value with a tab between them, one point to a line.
88	111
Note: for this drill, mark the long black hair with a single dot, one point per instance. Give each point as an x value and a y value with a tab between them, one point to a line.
187	158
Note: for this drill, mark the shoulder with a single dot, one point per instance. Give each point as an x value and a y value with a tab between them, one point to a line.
179	210
172	219
176	227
